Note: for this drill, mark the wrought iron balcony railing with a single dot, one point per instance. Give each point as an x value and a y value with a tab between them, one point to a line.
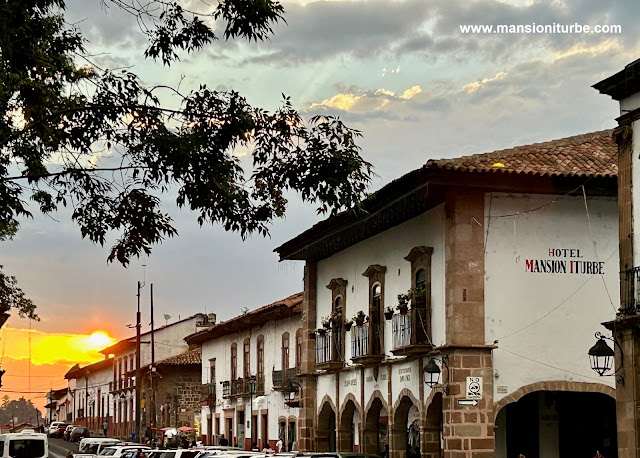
282	378
359	341
630	292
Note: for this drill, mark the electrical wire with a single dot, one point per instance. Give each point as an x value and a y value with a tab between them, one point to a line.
595	250
548	365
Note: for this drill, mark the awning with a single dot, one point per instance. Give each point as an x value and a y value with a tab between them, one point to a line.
185	429
51	405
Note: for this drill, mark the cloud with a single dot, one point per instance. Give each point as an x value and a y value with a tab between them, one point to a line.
366	102
472	87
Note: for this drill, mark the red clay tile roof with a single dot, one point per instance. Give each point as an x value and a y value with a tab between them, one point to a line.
183	359
283	308
592	154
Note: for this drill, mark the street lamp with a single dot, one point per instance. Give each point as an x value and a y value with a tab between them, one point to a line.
602	355
293	388
252	390
432	372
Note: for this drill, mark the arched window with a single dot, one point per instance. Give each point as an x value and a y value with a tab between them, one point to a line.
246	372
234	361
338	287
420	259
376	275
285	351
299	348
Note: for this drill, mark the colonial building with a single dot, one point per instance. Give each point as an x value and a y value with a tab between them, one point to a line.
58	406
105	391
460	307
250	390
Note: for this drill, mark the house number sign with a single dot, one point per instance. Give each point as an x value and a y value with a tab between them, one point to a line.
474	388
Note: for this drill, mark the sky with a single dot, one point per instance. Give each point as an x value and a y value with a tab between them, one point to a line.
401	72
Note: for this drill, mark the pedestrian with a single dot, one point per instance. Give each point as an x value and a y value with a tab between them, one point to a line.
224	442
105	426
279	445
140	454
598	454
133	436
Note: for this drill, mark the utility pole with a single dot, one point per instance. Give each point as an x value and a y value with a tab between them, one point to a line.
138	384
152	371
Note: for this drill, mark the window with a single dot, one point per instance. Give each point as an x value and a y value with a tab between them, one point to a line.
247	359
299	348
234	361
338	287
376	274
420	259
285	351
212	370
260	370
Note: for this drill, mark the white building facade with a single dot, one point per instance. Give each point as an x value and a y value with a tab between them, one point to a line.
511	261
250	369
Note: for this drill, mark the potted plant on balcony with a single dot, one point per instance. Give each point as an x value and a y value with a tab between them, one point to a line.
359	318
321	331
335	317
326	321
388	313
348	324
403	302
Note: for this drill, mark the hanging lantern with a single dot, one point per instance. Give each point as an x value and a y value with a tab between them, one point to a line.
601	357
431	374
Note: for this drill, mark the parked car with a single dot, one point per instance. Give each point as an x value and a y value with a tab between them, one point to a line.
24	444
94	445
78	433
116	451
53	427
179	453
59	431
67	432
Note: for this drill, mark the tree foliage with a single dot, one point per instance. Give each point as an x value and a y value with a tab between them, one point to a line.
105	144
22	409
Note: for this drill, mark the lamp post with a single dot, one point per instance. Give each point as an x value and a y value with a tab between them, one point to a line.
432	373
602	357
252	389
293	388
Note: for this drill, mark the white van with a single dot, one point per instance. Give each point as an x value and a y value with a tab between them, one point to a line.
26	444
94	445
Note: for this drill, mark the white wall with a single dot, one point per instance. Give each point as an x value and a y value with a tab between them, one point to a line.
387	249
220	348
545	322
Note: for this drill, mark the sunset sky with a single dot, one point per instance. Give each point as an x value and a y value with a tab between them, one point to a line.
399	71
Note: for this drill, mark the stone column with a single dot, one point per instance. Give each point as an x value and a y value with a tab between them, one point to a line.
468	432
307	422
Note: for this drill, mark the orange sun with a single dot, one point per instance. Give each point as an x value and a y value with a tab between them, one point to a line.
99	340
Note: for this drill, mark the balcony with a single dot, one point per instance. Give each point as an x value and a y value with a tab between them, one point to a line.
208	394
329	350
410	333
630	292
361	351
240	387
282	378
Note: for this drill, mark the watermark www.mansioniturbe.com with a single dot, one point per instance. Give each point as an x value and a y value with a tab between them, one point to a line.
540	28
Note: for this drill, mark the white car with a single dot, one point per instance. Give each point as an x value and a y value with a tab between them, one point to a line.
116	451
27	443
94	445
53	427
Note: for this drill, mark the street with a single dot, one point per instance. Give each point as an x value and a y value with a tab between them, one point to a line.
58	448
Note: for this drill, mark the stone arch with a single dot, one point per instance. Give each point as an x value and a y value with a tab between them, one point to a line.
326	398
347	433
407	392
326	429
375	432
554	385
403	443
347	398
377	395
